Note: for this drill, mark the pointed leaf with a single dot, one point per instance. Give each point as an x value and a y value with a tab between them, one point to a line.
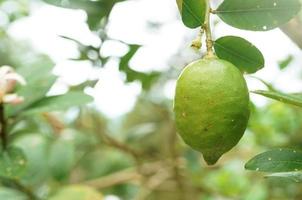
257	15
294	99
240	52
279	160
192	12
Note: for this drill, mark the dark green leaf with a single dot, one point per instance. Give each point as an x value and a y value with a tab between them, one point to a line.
192	12
280	160
240	52
12	163
294	176
294	99
257	15
60	102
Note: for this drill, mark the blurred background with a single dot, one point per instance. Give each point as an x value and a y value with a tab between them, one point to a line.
127	54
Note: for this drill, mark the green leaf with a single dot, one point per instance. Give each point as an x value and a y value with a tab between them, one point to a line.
240	52
192	12
268	85
61	158
35	147
12	163
293	99
39	81
77	192
280	160
146	79
60	102
293	176
10	194
257	15
96	10
286	62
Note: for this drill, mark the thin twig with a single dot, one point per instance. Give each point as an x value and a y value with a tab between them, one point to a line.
119	145
117	178
54	122
125	176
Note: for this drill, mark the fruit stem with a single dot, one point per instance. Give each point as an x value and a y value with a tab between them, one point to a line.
207	29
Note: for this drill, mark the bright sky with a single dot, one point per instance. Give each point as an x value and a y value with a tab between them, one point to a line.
128	23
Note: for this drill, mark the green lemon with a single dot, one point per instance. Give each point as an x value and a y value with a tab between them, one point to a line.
211	107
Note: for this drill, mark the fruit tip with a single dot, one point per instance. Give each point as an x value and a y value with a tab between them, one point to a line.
211	159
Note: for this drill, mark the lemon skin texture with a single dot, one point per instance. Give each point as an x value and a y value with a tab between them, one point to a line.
211	107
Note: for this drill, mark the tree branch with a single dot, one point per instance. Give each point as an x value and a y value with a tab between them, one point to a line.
29	193
3	134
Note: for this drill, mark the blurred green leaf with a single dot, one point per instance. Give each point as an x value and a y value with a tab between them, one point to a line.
257	15
132	75
280	160
96	10
294	99
192	12
240	52
39	81
12	163
10	194
294	176
110	161
286	62
77	192
35	146
267	84
60	102
61	158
